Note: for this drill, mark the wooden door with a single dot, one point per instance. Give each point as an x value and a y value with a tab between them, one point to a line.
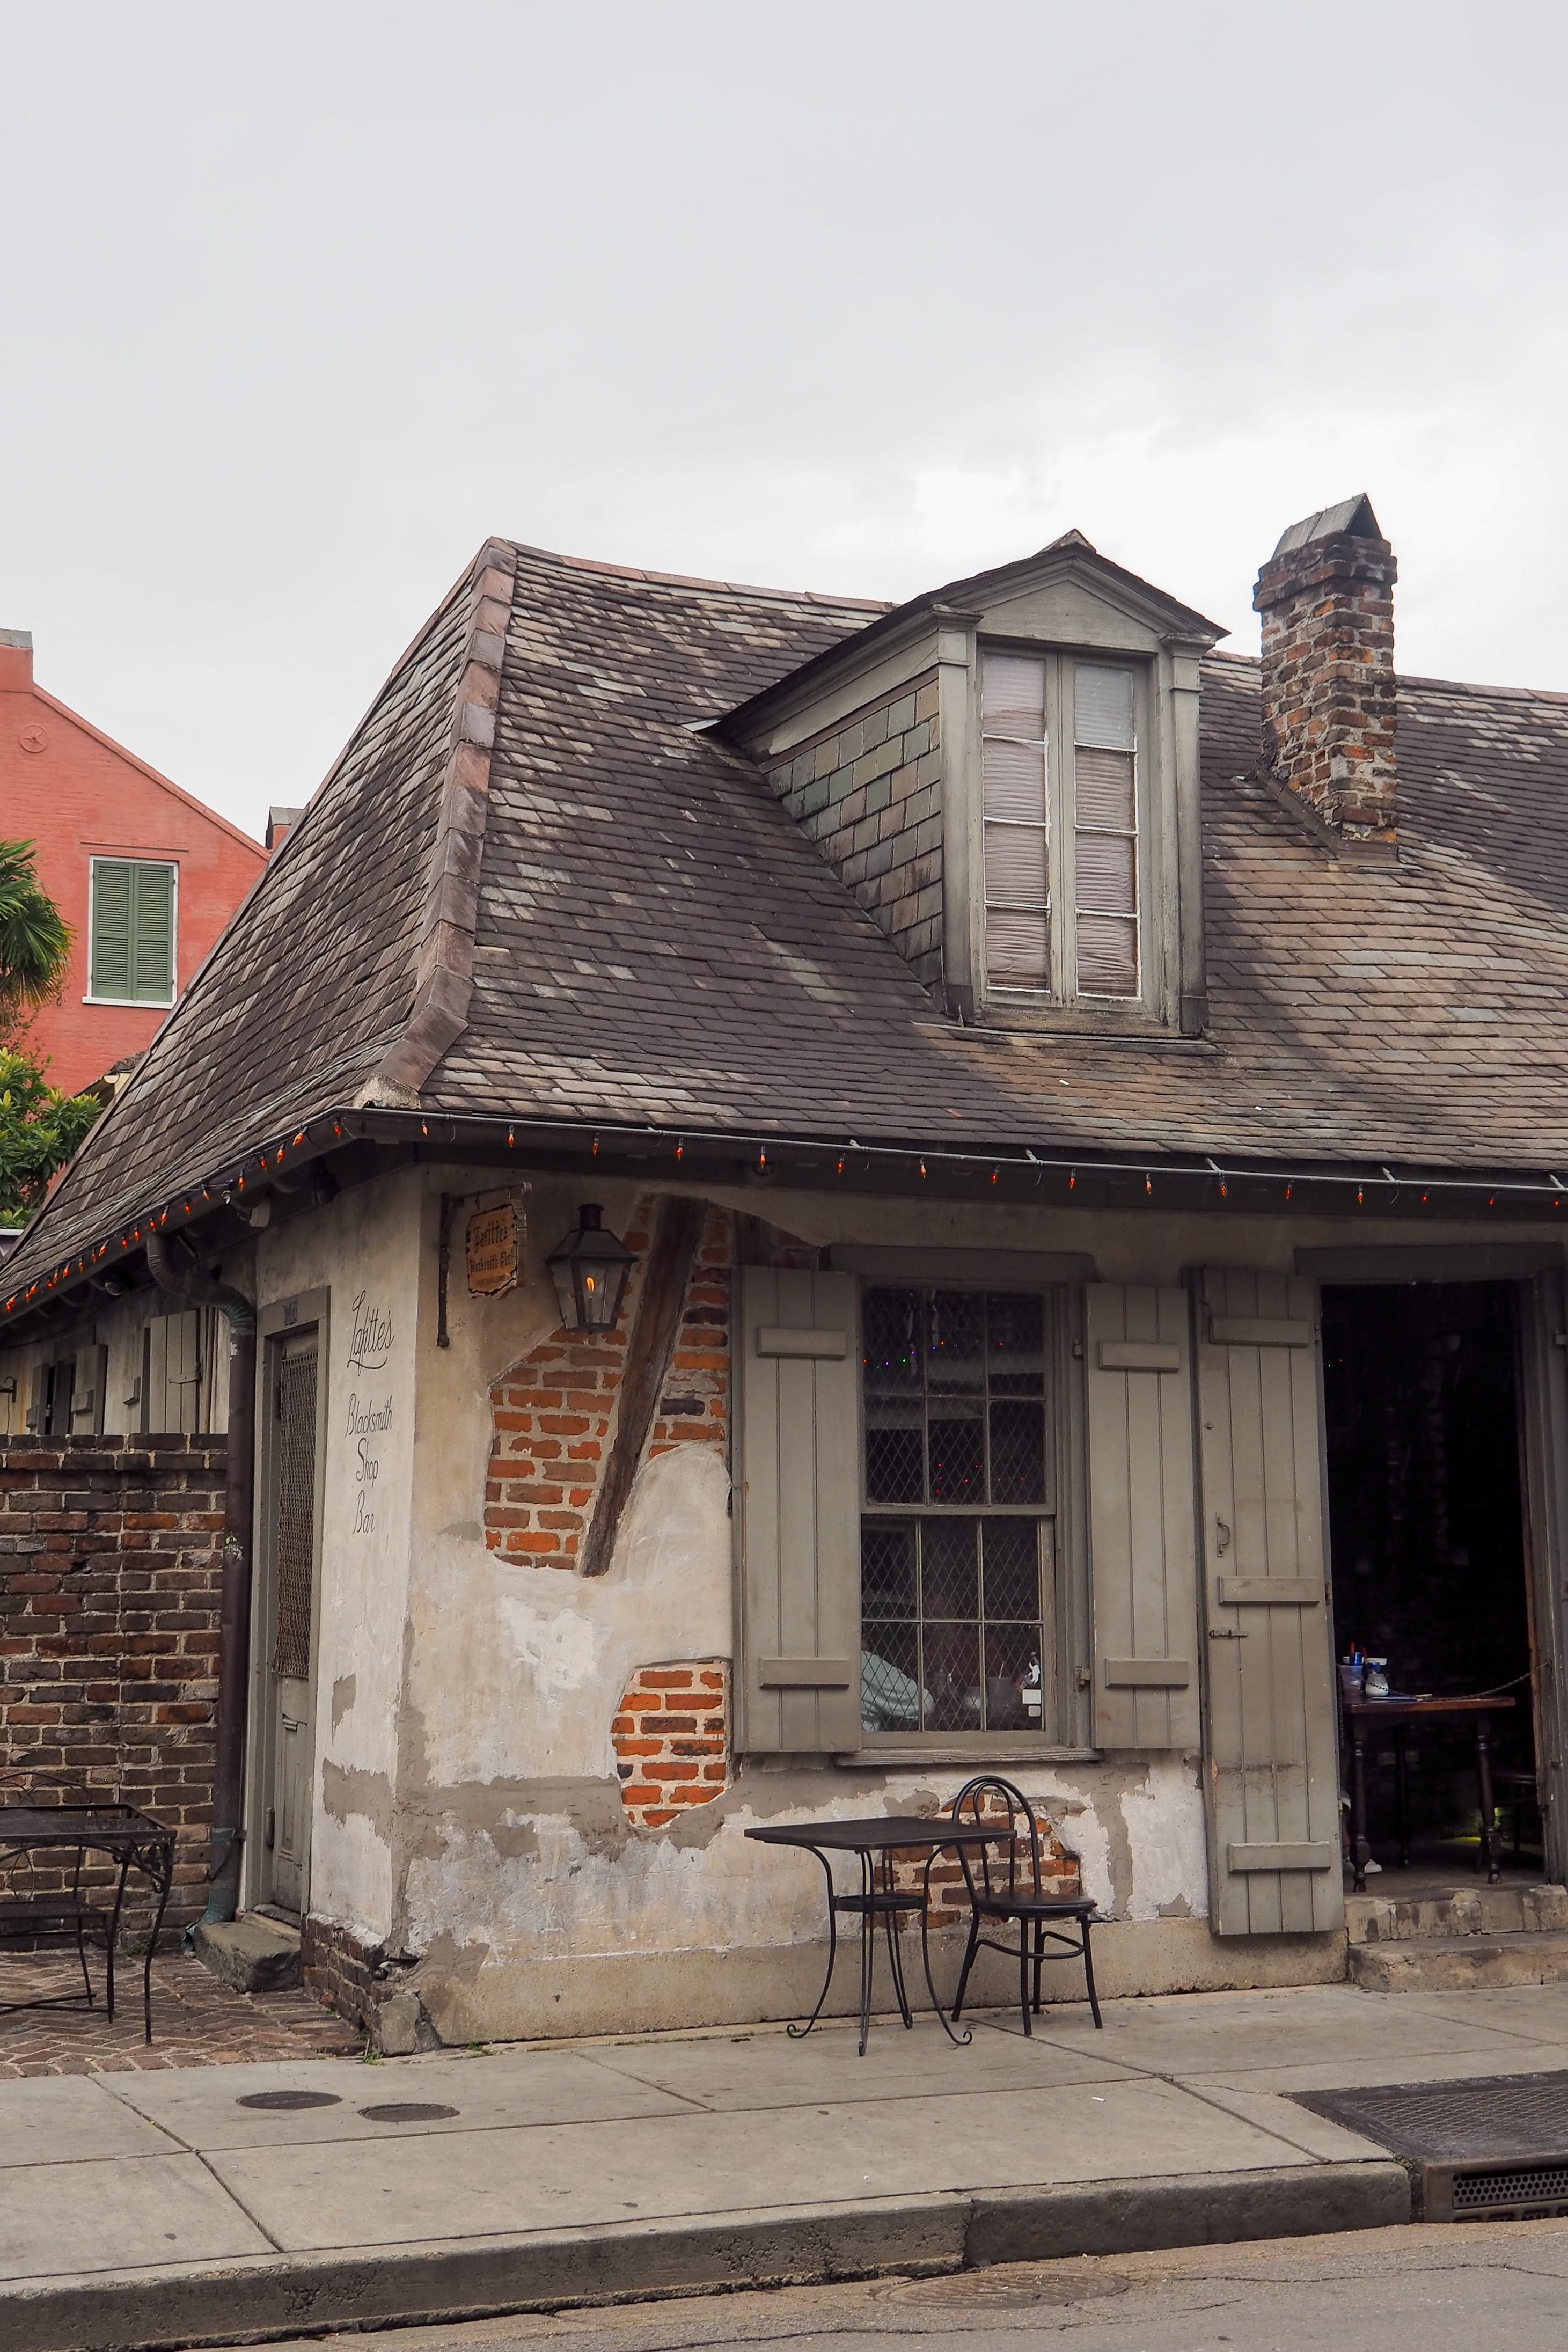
291	1524
1272	1727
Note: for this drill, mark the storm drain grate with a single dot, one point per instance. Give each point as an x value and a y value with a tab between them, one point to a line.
408	2111
1458	2137
1524	2184
289	2102
1520	2116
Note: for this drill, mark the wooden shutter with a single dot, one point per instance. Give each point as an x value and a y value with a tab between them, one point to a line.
153	933
91	1375
171	1390
1273	1781
1142	1529
797	1511
110	927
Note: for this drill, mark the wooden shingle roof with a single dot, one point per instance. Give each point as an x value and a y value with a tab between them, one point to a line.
652	940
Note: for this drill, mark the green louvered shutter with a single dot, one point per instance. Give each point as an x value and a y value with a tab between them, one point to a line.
153	933
112	928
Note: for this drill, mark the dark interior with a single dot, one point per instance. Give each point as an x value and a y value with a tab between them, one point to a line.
1426	1531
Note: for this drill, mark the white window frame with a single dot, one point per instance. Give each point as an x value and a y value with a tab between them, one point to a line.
142	1004
1063	997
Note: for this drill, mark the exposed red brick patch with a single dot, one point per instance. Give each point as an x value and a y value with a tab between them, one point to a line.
672	1738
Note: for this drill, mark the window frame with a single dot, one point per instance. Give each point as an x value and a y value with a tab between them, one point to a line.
1065	1616
1062	1004
170	865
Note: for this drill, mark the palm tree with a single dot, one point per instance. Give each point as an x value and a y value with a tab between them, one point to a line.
34	939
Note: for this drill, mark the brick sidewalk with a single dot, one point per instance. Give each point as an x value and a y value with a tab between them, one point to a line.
196	2020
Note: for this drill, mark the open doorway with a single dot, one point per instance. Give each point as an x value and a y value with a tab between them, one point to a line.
1430	1565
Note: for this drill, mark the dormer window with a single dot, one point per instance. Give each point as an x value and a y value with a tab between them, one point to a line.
1059	790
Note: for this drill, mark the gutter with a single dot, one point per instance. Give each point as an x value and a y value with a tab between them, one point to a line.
179	1275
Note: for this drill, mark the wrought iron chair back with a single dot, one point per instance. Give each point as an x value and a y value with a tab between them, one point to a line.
990	1802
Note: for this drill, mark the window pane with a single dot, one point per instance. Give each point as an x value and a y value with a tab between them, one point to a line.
949	1570
895	1450
110	929
1013	1678
1014	866
887	1570
1012	1571
890	1322
1106	874
1013	781
953	1701
1102	707
1014	689
1017	1451
1108	955
1016	1342
956	1346
1105	797
1018	949
889	1678
957	1450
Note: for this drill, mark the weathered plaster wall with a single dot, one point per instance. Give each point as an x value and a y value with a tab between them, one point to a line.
363	1249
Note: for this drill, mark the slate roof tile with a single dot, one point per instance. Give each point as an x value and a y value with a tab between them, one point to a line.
658	942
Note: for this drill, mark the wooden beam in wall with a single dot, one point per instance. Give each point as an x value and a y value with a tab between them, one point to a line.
671	1253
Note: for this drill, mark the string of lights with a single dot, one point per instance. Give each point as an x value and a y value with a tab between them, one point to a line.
1156	1179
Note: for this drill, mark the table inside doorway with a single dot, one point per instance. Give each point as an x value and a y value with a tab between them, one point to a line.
880	1835
1398	1715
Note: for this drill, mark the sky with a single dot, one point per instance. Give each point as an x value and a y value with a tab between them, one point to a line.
300	303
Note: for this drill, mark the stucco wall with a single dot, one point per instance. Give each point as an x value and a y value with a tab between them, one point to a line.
363	1250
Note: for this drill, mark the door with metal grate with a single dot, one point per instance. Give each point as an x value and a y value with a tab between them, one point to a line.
291	1521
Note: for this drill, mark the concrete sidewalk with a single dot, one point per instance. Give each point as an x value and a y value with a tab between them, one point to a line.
145	2208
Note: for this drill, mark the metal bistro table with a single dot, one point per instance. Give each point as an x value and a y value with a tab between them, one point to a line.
883	1834
1398	1715
132	1840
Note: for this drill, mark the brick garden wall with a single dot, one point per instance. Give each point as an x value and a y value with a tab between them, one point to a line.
869	796
110	1553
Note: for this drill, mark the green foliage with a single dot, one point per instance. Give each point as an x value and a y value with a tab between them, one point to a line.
39	1130
34	939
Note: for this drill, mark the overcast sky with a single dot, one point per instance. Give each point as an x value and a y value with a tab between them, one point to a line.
303	302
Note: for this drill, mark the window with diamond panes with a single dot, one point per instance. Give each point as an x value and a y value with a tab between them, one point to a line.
955	1545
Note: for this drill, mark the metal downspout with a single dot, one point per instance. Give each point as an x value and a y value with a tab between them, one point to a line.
186	1281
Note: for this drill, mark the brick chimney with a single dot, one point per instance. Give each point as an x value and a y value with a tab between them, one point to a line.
16	660
1326	595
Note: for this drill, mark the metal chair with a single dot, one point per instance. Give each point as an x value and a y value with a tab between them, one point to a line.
1005	1885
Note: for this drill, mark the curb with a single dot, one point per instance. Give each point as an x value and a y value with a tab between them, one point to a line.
261	2296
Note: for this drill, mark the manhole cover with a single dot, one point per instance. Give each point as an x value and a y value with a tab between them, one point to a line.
1009	2285
408	2111
289	2102
1456	2123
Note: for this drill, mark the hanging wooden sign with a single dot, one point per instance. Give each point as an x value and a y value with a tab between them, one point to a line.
494	1249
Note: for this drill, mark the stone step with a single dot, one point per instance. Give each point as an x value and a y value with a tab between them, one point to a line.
253	1954
1461	1963
1528	1908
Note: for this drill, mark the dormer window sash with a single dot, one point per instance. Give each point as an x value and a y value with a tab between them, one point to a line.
1060	791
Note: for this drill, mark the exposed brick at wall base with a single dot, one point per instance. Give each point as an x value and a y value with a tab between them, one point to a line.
341	1969
672	1738
111	1557
949	1905
869	796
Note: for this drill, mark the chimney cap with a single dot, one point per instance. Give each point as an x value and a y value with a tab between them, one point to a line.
19	640
1351	518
